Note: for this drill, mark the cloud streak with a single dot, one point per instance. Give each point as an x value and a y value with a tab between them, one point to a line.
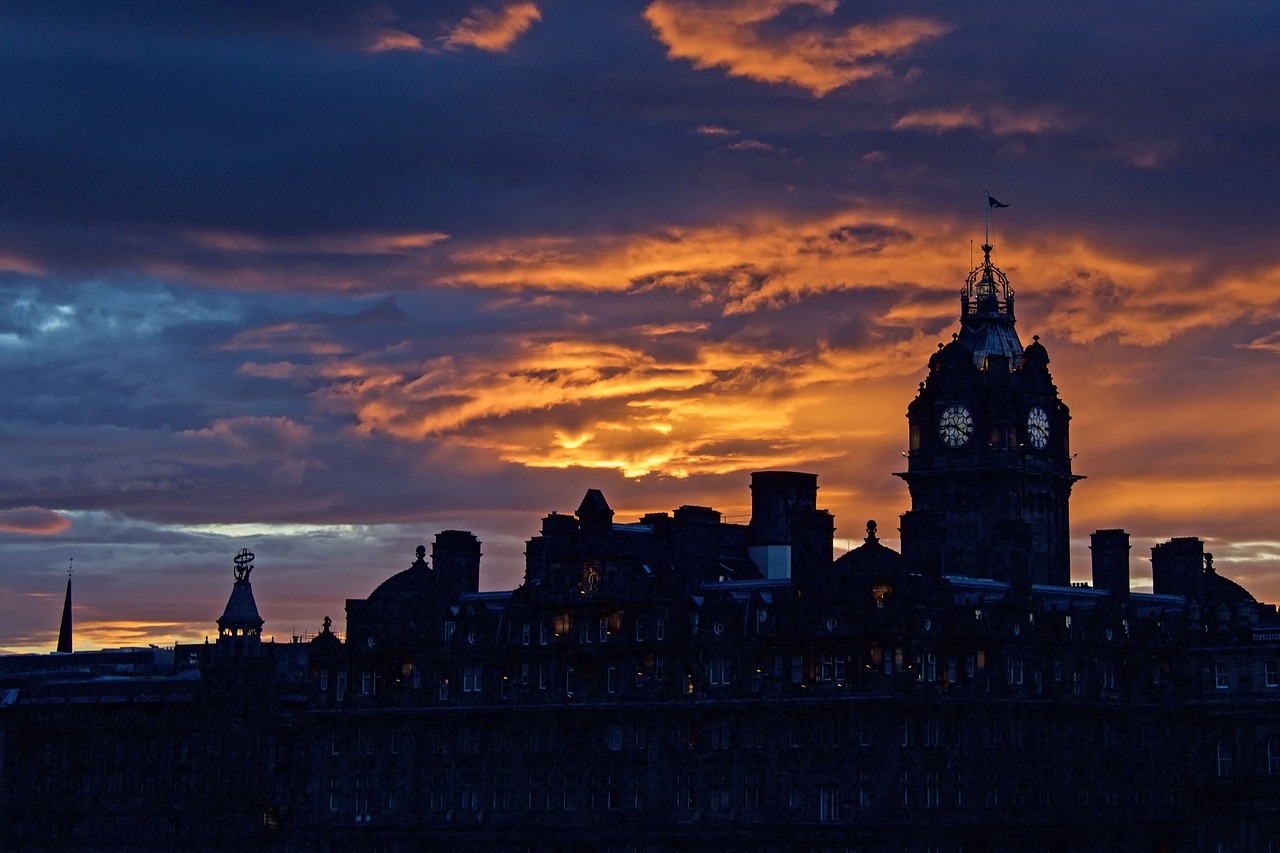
33	520
492	30
755	41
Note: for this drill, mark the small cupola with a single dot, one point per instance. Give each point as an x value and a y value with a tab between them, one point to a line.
240	626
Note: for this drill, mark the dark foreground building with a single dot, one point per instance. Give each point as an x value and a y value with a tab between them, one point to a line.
681	683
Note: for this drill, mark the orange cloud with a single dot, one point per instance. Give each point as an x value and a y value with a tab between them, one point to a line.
579	402
295	337
393	40
342	244
1098	291
10	262
33	519
493	31
738	37
114	634
997	120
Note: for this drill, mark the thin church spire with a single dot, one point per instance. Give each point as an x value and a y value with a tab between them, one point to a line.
64	632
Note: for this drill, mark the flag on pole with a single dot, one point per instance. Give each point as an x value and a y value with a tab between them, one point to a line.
991	200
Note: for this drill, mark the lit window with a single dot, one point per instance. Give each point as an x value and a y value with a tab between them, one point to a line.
1221	678
1271	673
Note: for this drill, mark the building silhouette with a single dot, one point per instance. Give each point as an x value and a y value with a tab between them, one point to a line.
678	682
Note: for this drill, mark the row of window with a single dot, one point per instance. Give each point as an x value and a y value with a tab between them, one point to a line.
723	791
719	671
590	629
724	733
1223	672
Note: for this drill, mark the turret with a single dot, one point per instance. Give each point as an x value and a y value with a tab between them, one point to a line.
240	626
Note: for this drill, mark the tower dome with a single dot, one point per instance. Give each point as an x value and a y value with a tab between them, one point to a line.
986	315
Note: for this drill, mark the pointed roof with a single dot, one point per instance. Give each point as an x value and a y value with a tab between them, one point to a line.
241	610
593	503
986	315
64	631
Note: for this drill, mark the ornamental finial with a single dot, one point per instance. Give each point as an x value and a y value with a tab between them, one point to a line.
243	564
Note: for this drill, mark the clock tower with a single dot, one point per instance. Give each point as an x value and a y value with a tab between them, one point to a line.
989	465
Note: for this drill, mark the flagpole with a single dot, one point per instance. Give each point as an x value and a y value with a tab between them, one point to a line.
986	223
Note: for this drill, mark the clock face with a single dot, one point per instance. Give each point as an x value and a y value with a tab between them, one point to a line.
1038	428
955	426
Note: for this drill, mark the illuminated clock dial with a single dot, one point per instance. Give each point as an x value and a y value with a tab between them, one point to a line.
955	426
1038	428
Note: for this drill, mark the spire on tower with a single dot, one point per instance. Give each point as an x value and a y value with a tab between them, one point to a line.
64	631
986	314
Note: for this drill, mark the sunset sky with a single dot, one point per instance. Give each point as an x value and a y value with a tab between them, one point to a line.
323	283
